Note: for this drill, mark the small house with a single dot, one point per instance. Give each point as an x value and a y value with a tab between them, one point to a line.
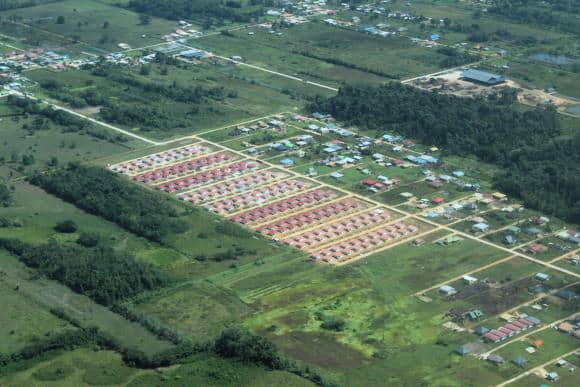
520	362
475	314
447	290
542	277
469	280
287	162
495	359
480	227
552	376
567	294
510	240
481	330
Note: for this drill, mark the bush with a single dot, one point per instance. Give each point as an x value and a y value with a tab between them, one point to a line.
66	227
89	239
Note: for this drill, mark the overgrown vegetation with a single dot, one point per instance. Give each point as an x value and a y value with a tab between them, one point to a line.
101	273
70	123
103	193
210	11
538	165
5	195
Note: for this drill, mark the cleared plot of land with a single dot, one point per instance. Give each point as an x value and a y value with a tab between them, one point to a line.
99	25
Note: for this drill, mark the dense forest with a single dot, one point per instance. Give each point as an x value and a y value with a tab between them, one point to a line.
207	10
101	273
537	165
13	4
100	192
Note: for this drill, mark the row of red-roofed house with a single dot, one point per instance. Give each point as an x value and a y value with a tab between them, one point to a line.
183	167
366	242
207	177
342	227
316	215
279	207
258	196
156	160
229	187
511	329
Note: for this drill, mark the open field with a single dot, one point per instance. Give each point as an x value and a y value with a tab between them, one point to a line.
84	21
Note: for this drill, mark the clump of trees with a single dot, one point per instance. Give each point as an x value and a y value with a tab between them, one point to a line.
5	195
101	192
536	163
211	11
70	124
101	273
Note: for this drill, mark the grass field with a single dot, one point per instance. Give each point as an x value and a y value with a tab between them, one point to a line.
84	21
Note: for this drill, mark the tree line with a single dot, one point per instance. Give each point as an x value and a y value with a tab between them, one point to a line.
5	195
211	11
536	163
100	273
100	192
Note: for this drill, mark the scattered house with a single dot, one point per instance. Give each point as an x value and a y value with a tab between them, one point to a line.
458	173
499	196
437	200
514	229
536	289
337	175
475	314
287	162
406	195
449	240
552	376
561	363
510	240
481	330
482	77
447	290
520	362
567	294
533	231
542	277
566	327
480	227
495	359
469	280
535	248
463	350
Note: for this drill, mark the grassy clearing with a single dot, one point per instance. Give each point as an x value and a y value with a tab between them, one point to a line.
84	21
200	309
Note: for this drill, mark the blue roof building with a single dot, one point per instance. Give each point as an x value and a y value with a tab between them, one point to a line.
287	162
482	77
